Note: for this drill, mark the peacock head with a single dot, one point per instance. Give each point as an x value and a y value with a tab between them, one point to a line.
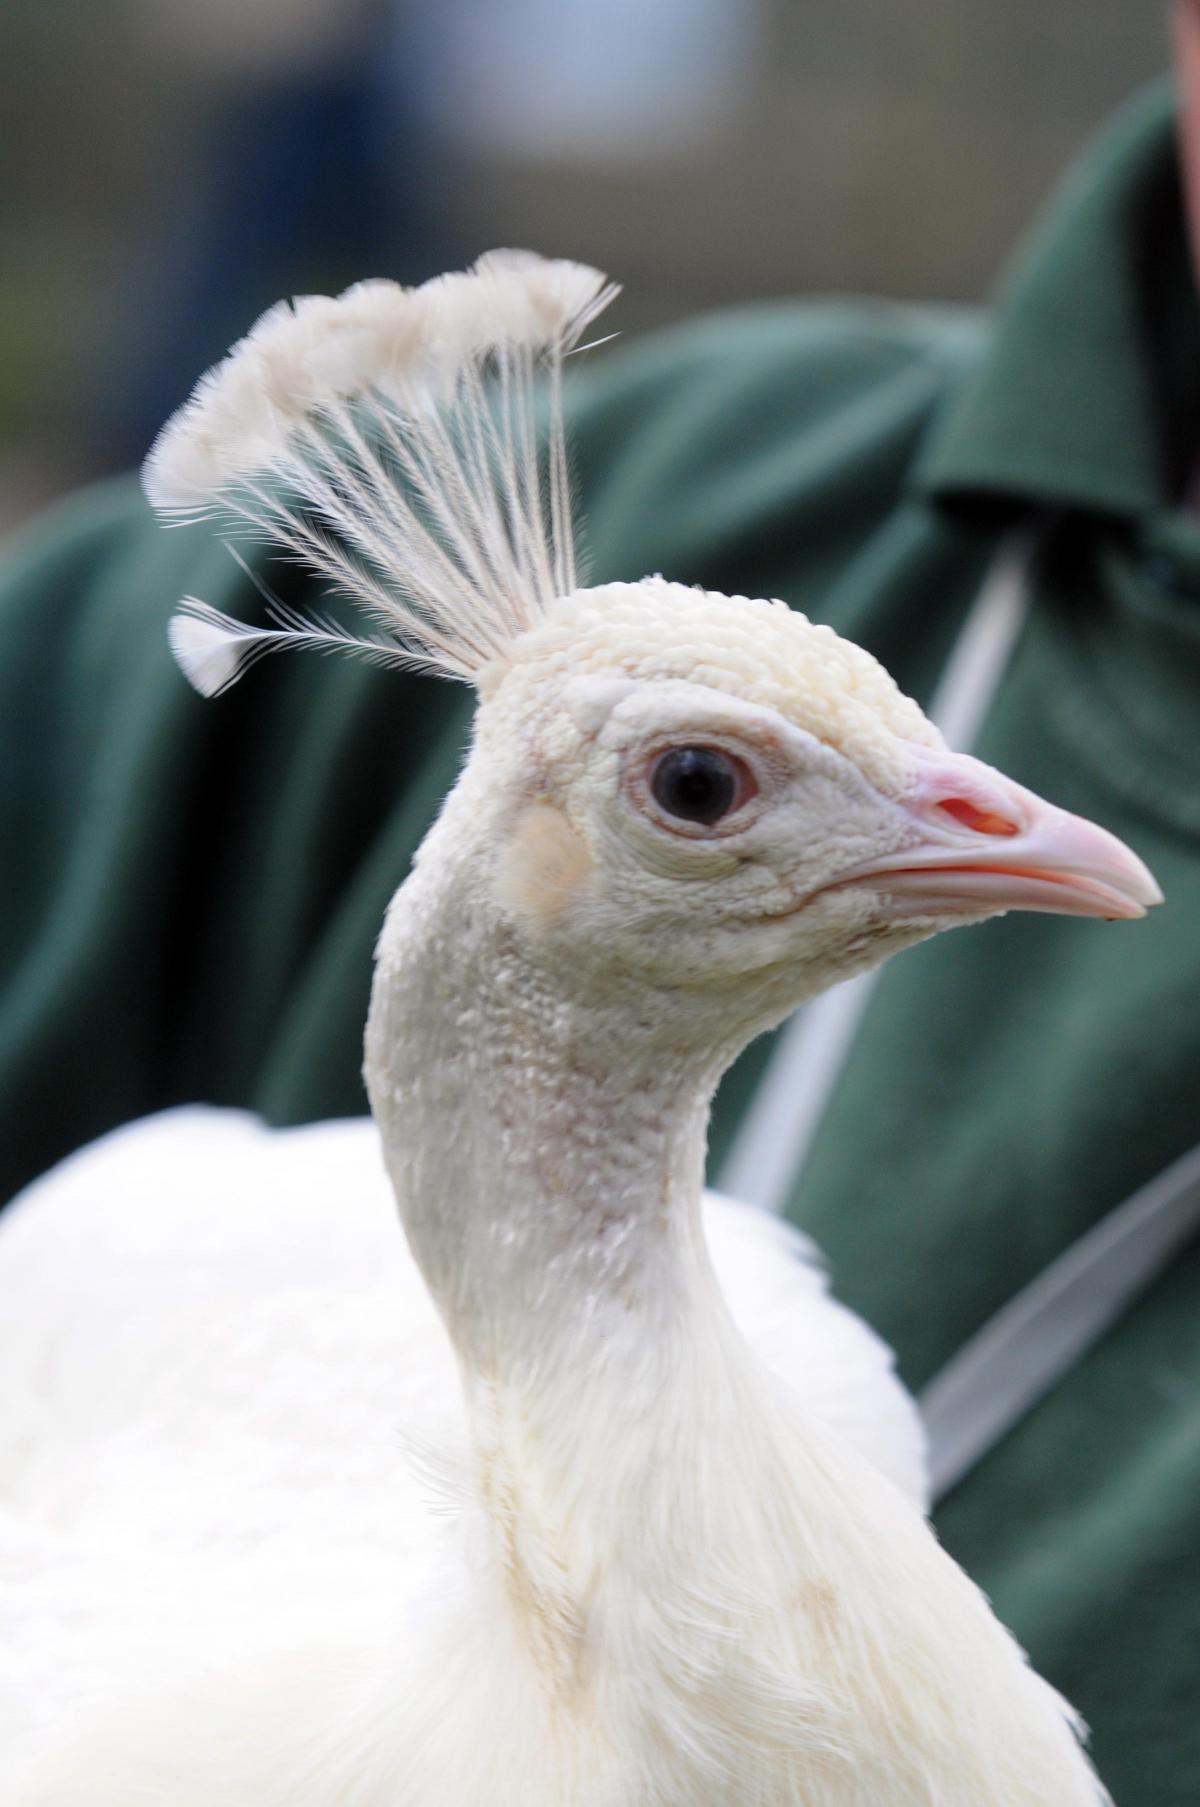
703	790
711	795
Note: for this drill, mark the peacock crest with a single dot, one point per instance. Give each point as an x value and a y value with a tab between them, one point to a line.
397	441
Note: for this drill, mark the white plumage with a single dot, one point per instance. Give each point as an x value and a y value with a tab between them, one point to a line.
248	1384
590	1497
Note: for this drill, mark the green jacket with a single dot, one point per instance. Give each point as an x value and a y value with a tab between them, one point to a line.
192	890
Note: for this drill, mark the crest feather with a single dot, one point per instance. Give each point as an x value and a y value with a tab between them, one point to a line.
387	437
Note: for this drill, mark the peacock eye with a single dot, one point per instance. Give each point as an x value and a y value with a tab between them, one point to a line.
699	784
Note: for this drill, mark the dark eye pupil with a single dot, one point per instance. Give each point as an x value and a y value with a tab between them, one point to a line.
697	784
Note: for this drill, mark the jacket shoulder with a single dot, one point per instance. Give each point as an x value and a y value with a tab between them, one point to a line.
703	445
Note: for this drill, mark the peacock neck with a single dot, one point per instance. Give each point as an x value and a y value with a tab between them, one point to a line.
547	1155
546	1146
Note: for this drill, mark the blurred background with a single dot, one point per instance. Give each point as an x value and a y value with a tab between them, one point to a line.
170	167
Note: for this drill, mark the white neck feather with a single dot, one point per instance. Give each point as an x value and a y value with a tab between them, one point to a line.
547	1153
547	1150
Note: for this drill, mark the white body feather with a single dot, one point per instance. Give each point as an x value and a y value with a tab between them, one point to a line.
231	1430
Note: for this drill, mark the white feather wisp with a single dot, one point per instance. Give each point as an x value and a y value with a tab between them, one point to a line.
389	439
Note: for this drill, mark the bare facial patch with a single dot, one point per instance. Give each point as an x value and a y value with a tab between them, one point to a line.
544	867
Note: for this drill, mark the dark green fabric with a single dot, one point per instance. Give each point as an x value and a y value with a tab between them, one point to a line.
1088	396
192	890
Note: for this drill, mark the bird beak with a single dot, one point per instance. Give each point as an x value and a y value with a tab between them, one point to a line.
982	845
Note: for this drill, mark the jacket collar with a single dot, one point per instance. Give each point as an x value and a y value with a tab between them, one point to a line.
1088	393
